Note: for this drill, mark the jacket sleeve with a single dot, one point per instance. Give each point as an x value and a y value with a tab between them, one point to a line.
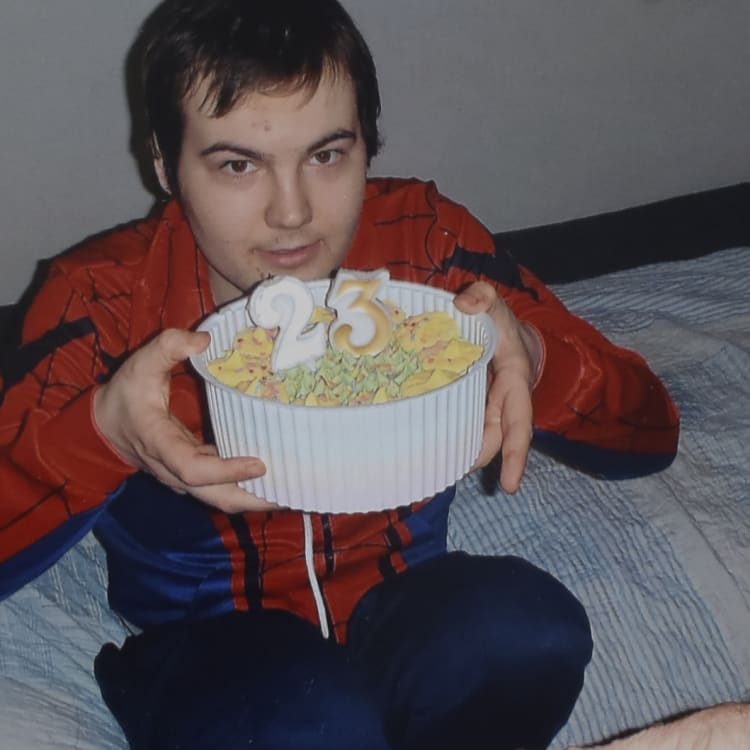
56	470
597	406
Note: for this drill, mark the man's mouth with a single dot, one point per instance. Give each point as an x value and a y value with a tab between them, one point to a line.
291	257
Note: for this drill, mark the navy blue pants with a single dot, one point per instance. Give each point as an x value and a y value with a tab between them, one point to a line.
459	652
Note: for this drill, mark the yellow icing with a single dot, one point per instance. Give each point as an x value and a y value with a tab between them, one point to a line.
426	351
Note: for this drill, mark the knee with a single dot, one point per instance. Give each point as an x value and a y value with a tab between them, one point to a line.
561	626
268	680
563	638
326	715
309	698
534	617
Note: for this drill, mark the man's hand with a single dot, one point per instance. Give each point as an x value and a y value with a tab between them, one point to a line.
132	413
508	414
722	727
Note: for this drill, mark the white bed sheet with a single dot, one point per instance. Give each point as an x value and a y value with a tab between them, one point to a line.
662	563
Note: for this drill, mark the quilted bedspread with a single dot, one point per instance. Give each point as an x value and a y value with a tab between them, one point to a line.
662	563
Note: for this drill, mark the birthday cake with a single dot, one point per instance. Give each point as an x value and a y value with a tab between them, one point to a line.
400	371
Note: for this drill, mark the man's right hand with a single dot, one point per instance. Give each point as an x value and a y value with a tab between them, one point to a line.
132	413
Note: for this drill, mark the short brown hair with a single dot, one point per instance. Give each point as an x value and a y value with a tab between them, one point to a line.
241	46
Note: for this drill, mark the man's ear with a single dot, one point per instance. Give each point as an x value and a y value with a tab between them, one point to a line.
159	167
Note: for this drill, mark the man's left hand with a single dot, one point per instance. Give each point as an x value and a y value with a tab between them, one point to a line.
513	370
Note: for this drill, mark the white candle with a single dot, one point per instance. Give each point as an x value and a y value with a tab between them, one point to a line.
363	323
285	302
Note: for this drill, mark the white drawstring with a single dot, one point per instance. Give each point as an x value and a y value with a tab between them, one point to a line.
314	585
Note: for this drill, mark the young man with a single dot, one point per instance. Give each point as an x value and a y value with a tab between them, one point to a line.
263	117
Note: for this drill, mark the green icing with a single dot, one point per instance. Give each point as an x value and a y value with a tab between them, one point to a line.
345	378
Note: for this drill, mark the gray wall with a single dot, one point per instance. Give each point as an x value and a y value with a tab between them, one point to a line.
527	111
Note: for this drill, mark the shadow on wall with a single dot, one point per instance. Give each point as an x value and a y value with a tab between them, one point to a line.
139	127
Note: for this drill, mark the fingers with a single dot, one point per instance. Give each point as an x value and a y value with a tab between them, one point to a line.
233	499
195	468
169	348
132	414
508	412
507	430
515	452
138	392
492	440
478	297
229	498
194	464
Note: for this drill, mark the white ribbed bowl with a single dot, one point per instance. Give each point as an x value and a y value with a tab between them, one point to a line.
353	459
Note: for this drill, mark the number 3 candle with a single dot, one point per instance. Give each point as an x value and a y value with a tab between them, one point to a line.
363	324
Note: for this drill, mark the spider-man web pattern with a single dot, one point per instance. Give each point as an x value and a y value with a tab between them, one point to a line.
595	405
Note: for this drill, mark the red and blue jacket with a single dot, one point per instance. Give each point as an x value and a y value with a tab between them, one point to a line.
596	406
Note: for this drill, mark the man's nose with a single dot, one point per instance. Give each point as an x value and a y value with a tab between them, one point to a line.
289	204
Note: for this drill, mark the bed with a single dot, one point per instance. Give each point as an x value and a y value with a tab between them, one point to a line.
662	563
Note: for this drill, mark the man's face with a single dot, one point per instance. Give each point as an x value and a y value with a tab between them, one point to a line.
275	186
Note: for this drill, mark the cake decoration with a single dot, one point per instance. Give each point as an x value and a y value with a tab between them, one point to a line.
284	302
377	353
363	323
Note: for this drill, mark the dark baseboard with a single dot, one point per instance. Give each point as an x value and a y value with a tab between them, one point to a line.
674	229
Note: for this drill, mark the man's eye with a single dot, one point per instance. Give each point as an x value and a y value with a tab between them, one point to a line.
328	156
238	167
